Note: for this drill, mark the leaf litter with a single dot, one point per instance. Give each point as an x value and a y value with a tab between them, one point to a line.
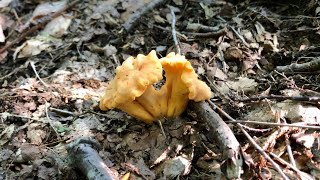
53	77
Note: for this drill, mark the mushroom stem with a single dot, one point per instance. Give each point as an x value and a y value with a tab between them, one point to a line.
136	110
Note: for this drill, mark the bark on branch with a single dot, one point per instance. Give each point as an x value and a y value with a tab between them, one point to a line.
226	140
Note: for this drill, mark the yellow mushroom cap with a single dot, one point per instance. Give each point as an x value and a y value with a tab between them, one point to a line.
132	88
132	79
182	84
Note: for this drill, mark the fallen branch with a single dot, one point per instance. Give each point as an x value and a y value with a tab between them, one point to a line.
227	141
196	27
133	19
206	35
84	156
308	66
299	125
282	98
173	28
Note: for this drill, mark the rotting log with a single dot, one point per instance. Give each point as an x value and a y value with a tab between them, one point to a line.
226	140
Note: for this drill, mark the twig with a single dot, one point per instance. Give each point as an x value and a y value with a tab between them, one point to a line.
276	124
173	29
289	151
133	19
254	129
44	20
50	122
13	71
308	66
301	72
63	111
35	71
197	27
281	98
225	138
104	115
263	153
208	34
181	36
302	175
240	37
162	130
6	114
255	145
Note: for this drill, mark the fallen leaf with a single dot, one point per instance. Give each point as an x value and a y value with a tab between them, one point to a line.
175	167
215	72
243	84
34	134
57	27
47	8
6	134
32	47
209	13
5	3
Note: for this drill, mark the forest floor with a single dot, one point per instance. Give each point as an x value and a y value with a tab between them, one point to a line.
260	59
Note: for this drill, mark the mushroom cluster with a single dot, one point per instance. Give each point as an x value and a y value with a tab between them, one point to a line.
132	89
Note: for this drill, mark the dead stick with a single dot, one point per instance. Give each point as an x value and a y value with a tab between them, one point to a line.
308	66
281	98
299	125
132	20
227	141
45	20
83	155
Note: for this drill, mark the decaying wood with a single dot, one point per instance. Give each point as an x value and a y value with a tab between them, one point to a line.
84	156
225	138
308	66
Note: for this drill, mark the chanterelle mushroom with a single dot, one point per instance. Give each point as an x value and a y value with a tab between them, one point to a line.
182	84
132	88
132	79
